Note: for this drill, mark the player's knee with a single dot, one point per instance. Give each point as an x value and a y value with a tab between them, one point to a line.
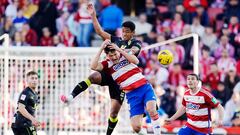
151	111
95	78
114	114
136	128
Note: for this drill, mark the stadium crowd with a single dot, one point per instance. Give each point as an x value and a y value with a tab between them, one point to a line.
66	23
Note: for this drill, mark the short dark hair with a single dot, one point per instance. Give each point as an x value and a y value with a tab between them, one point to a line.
129	24
31	73
193	74
107	49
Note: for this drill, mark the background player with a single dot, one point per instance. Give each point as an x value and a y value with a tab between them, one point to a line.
197	104
122	67
25	122
117	96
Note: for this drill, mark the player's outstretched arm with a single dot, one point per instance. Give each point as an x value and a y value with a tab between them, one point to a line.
91	10
221	114
179	113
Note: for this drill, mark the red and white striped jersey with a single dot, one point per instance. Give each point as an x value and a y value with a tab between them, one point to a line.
126	74
198	110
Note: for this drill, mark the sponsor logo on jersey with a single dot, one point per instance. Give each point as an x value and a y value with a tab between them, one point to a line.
120	65
192	106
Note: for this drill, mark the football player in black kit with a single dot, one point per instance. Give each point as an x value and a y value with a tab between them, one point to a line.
25	122
128	43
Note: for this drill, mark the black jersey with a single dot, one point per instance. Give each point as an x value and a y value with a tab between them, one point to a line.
30	99
126	44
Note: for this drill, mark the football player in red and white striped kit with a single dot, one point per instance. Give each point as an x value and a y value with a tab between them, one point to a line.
197	104
121	65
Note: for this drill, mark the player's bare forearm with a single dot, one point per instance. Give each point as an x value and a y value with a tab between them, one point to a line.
24	112
99	29
95	65
179	113
220	113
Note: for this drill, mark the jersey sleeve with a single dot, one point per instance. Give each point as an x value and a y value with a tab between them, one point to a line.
105	65
137	44
183	102
211	100
23	98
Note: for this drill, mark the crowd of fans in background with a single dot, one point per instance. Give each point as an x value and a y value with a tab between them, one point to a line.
67	23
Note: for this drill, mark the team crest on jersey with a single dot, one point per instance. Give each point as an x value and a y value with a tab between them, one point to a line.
192	106
123	46
120	65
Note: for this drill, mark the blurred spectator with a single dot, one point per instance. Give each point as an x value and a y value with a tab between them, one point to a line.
196	27
45	17
46	40
177	25
11	10
111	18
57	41
142	26
61	21
202	14
223	45
185	16
177	50
231	80
234	26
30	35
150	38
191	5
156	73
19	20
232	108
225	63
158	26
209	38
218	3
18	40
66	37
8	27
213	78
238	67
85	25
29	8
176	77
151	11
205	61
65	6
232	9
222	93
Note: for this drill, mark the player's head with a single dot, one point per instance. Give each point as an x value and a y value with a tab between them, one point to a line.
192	81
32	79
128	30
112	54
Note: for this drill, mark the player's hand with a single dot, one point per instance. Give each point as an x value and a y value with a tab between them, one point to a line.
105	43
114	46
219	123
91	9
36	123
167	121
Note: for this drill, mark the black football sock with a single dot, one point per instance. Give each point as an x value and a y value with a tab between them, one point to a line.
82	86
112	122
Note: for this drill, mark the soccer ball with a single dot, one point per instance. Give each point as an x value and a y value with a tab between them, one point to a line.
165	57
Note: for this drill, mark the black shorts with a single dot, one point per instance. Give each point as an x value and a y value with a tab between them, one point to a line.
24	130
114	89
